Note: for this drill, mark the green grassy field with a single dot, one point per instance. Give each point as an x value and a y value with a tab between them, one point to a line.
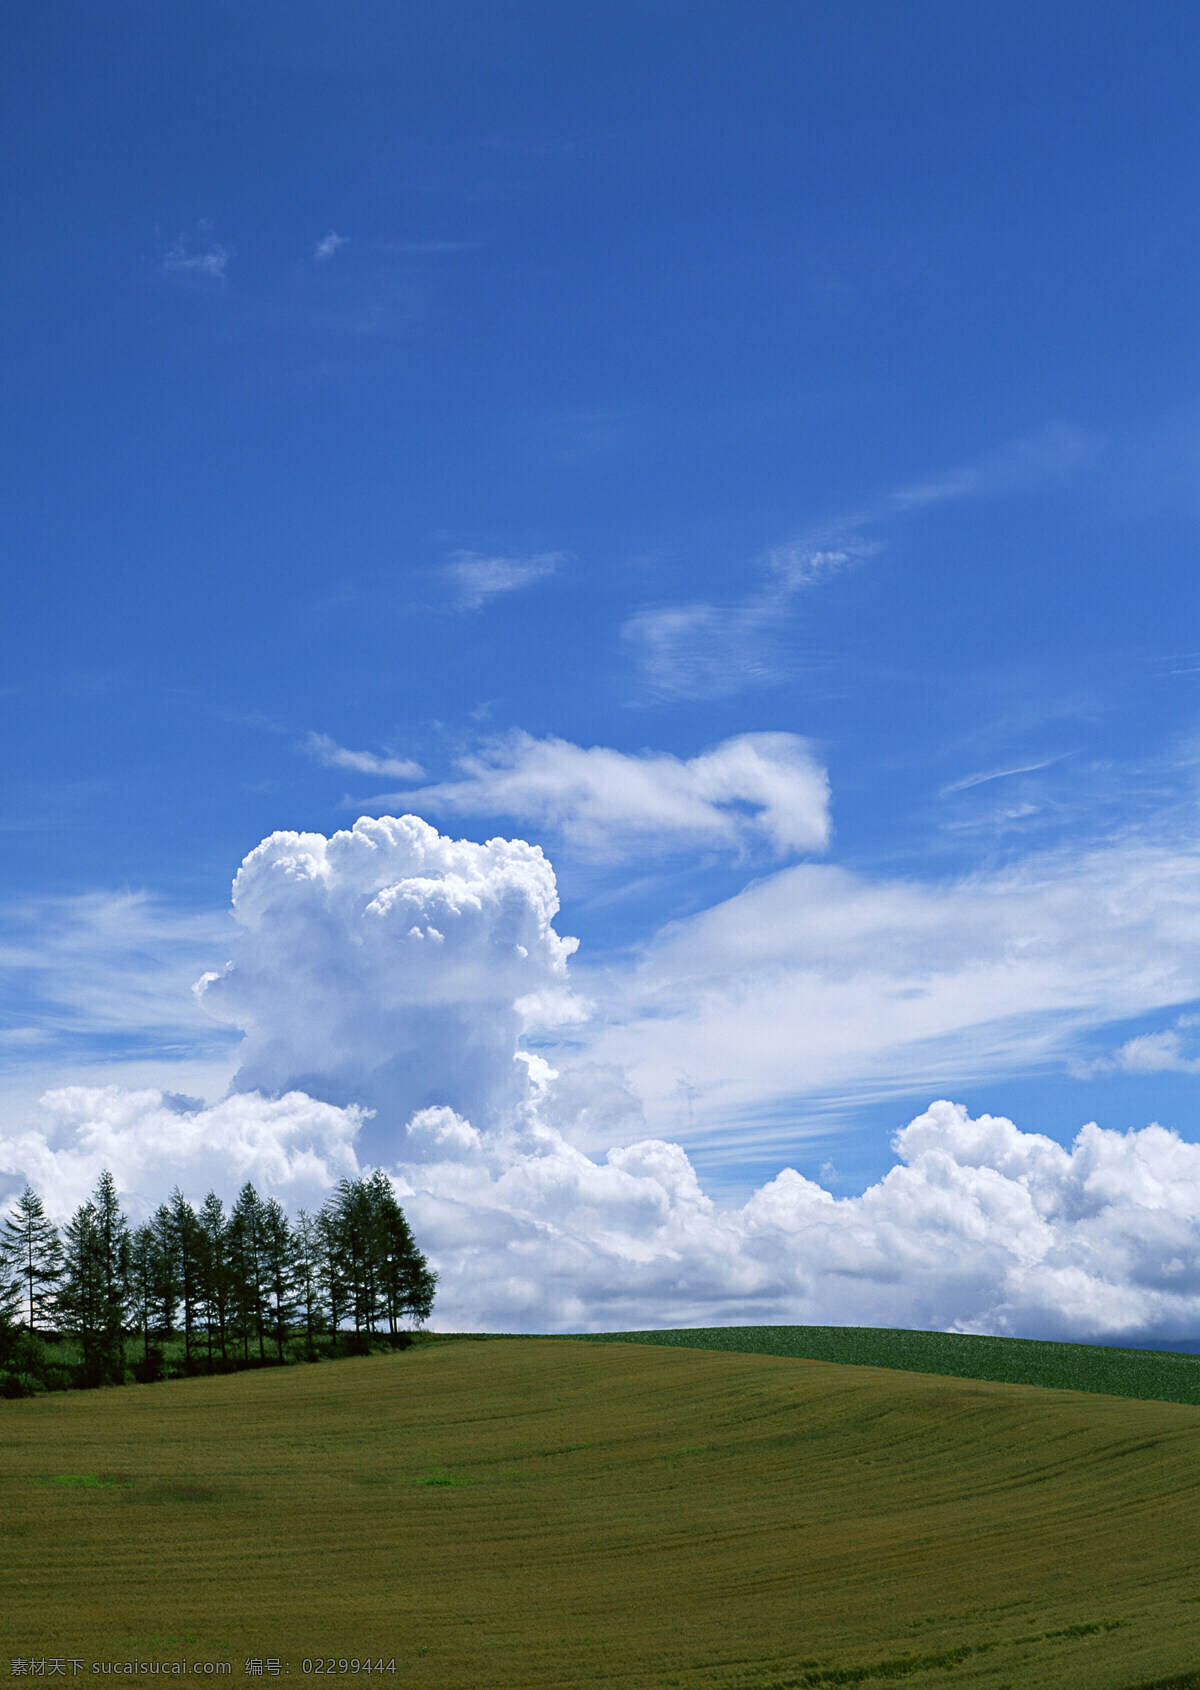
1158	1375
548	1513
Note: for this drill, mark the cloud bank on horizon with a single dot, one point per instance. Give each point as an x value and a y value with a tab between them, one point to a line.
390	982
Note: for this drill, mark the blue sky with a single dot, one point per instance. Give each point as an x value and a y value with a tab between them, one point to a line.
409	399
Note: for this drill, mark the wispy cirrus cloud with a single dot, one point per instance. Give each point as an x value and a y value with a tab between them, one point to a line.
982	779
477	577
327	247
100	984
196	257
325	750
1035	460
706	649
816	983
807	563
701	650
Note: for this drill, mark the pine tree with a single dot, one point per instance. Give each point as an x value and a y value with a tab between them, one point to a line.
10	1302
32	1247
186	1243
373	1269
405	1279
165	1270
142	1281
81	1303
334	1285
277	1269
114	1245
92	1299
10	1314
351	1225
214	1232
307	1275
248	1275
10	1295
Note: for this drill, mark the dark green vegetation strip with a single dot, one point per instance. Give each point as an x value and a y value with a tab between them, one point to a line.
1151	1375
1177	1681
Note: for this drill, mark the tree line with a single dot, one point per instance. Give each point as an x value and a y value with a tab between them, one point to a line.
226	1289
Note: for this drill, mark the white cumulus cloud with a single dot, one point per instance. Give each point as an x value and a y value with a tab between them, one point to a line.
385	977
391	967
759	788
979	1227
1148	1053
293	1146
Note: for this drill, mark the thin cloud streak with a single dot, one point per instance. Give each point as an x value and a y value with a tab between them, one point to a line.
477	577
325	750
707	650
996	774
185	259
1034	461
699	650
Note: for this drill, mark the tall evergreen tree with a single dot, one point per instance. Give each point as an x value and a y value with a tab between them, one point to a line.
373	1269
249	1296
33	1249
186	1243
114	1245
80	1303
92	1299
10	1293
406	1282
214	1232
334	1286
10	1312
307	1275
165	1268
277	1270
351	1224
142	1283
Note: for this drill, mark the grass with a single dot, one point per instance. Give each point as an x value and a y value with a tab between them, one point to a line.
1152	1375
537	1513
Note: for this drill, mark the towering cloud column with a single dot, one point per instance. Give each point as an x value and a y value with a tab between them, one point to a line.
391	967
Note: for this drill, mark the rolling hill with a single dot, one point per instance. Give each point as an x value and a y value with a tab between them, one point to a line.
540	1513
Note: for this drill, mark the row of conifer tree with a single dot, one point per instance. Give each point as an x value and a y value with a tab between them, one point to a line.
229	1288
